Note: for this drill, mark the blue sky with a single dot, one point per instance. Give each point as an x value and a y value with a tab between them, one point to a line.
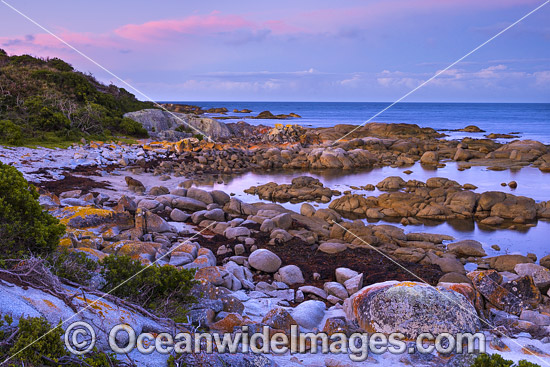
297	50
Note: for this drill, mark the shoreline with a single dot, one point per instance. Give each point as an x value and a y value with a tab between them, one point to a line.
96	183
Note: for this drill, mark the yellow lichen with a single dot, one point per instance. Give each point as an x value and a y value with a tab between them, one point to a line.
66	243
72	212
49	304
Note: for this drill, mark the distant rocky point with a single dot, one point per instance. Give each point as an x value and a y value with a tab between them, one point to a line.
175	125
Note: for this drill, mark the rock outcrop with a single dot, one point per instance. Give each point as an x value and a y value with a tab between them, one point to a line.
162	125
411	308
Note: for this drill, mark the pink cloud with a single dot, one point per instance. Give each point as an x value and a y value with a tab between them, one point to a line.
41	42
243	29
196	24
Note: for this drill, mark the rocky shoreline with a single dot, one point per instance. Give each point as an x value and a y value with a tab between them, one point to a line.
320	268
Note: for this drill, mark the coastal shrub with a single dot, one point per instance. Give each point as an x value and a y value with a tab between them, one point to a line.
74	266
496	360
10	133
44	117
59	64
50	102
24	227
26	60
164	289
133	128
46	344
46	351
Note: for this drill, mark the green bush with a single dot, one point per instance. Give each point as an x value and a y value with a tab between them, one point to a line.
133	128
26	60
74	266
24	227
43	117
10	133
164	289
59	64
50	346
30	330
496	360
57	99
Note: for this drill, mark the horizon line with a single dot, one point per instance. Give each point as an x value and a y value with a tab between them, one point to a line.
277	101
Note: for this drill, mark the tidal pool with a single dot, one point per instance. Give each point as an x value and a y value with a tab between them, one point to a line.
531	183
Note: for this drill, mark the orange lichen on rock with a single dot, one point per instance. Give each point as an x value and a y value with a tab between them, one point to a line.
335	325
532	350
279	318
228	323
211	274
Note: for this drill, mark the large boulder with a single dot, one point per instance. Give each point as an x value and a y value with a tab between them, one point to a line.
430	158
467	248
162	124
411	308
156	224
540	275
290	274
488	199
200	195
19	301
190	204
234	232
264	260
508	262
391	183
512	296
514	207
309	314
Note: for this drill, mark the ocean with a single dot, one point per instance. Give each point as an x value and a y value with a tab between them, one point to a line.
531	120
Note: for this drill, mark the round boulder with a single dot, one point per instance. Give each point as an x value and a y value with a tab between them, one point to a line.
290	274
411	308
309	314
264	260
429	158
307	210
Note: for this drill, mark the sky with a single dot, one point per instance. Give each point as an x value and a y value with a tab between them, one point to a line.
295	50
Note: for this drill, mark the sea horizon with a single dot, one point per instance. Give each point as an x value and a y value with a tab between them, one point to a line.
531	120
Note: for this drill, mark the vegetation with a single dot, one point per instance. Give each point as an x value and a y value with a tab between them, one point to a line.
496	360
50	346
73	266
46	351
42	96
164	289
24	226
31	234
184	129
10	133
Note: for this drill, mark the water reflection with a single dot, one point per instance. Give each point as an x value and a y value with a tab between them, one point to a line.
531	183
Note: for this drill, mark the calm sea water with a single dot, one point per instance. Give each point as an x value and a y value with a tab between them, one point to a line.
532	120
